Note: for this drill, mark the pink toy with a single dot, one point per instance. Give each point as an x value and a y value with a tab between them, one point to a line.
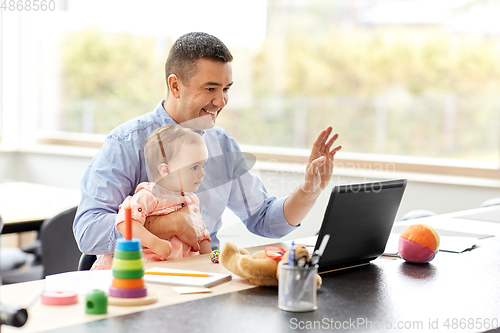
418	243
59	297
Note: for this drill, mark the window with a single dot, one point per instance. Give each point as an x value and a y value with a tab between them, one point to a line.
388	76
1	77
417	79
103	64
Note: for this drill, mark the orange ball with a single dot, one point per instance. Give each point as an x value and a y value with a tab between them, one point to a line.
418	243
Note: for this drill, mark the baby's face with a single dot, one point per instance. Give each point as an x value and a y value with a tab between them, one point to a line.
190	162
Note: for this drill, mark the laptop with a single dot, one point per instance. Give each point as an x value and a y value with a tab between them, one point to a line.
359	219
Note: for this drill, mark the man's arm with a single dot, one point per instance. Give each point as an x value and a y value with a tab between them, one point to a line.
112	175
261	213
318	174
174	224
160	247
105	184
205	246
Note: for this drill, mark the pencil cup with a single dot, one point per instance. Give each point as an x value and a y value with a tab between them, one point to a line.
297	288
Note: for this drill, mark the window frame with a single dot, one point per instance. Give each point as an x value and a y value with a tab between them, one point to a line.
366	163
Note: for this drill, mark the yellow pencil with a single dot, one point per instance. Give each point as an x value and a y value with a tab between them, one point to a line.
177	274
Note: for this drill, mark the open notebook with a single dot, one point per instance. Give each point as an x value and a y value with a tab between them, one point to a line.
199	281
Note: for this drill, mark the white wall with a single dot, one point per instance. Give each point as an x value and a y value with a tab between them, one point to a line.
66	171
48	169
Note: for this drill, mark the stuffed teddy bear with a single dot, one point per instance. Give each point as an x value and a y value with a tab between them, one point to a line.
261	268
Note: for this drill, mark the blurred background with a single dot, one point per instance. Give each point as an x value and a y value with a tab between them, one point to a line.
411	87
413	78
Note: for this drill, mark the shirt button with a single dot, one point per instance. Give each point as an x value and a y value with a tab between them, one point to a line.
140	209
183	204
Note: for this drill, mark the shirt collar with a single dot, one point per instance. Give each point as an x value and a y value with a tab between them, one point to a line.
163	114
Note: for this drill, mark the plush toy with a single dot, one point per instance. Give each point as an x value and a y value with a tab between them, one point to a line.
261	268
418	243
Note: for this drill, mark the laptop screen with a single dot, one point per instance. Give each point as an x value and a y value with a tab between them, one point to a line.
359	218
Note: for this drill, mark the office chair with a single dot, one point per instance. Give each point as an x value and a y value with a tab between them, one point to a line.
86	262
60	252
12	258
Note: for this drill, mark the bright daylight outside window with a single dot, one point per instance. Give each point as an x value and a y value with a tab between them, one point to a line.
407	77
1	81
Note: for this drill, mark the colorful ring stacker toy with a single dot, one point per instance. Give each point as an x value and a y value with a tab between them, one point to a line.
128	293
128	265
124	274
128	283
128	287
127	255
128	245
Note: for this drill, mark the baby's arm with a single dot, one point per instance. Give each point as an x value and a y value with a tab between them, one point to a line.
205	243
161	247
205	246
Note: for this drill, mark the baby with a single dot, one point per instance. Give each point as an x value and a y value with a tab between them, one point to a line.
175	157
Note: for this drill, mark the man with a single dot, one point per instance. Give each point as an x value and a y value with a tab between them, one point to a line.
198	73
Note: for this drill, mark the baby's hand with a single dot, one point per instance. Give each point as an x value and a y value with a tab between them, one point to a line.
162	248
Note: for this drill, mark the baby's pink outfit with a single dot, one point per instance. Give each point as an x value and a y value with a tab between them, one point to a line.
151	199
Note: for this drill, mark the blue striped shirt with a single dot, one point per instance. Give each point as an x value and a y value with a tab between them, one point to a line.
119	166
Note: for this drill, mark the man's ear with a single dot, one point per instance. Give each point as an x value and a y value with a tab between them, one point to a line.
164	170
174	85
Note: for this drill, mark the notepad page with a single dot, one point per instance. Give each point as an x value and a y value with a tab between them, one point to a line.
212	280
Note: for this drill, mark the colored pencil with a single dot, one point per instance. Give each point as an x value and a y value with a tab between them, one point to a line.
177	274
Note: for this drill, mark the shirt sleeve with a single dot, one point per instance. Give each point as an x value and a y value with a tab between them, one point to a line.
261	213
142	204
112	175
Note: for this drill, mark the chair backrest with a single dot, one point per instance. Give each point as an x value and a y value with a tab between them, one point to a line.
86	262
60	253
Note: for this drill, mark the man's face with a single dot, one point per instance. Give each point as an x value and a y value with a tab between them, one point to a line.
205	95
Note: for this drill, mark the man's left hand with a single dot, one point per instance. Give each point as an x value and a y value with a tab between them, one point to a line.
320	165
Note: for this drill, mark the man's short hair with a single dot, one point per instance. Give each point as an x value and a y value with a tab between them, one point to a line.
164	145
190	47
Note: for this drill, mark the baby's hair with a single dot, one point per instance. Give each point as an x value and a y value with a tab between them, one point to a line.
164	145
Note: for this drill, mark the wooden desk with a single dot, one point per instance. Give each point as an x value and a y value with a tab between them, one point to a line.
24	206
43	317
455	292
